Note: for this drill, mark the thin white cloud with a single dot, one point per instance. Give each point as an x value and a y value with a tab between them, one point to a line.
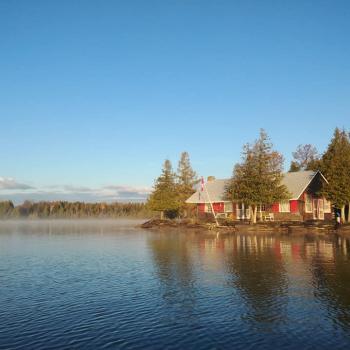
9	183
79	189
18	193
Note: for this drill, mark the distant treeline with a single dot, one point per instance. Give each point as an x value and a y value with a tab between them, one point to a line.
62	209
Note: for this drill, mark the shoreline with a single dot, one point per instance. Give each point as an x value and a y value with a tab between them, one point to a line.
267	227
61	219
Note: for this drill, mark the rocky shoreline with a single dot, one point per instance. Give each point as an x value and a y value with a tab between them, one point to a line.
266	227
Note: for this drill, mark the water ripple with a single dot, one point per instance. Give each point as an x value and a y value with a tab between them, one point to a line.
132	289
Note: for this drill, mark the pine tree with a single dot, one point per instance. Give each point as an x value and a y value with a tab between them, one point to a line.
294	167
335	166
187	180
257	180
6	208
164	197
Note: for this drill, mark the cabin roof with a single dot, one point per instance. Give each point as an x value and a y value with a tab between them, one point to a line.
296	183
214	192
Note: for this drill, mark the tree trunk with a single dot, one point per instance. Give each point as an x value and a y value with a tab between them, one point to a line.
342	214
253	211
162	215
260	213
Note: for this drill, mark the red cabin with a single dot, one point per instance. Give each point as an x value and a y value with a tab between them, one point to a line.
305	202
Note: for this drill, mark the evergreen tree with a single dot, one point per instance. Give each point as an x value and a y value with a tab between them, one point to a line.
294	167
257	180
336	168
187	180
72	210
6	209
314	165
164	197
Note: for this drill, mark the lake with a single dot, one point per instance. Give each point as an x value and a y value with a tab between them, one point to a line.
111	285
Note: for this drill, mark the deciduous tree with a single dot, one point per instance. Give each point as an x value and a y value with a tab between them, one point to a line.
305	158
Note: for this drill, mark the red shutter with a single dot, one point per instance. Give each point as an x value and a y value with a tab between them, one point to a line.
275	207
294	206
218	207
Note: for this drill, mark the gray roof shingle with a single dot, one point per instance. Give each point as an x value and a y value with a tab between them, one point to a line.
214	192
295	182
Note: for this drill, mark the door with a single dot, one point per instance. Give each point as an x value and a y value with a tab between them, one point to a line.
240	211
320	209
315	208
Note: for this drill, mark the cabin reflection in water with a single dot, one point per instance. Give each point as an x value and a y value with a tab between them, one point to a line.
266	274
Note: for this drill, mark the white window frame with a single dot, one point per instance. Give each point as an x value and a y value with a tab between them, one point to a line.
308	201
261	208
228	207
283	209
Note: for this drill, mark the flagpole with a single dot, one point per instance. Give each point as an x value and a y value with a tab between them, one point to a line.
211	204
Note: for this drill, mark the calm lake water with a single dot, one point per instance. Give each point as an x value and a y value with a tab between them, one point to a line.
109	285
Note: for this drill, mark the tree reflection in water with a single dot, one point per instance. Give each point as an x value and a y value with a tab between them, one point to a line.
258	272
174	268
331	278
254	284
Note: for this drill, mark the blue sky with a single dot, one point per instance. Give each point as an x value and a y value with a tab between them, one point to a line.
94	95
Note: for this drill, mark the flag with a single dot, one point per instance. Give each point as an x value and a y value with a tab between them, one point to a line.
202	187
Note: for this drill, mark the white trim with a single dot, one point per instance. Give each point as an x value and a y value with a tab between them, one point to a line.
295	199
320	209
230	204
323	177
310	202
280	207
207	208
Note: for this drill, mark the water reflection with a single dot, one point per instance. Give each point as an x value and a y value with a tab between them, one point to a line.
271	275
174	268
331	278
68	227
111	285
258	272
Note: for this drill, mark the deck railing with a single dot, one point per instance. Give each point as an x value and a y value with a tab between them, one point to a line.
243	214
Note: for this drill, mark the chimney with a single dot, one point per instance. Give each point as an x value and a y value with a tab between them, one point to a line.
210	178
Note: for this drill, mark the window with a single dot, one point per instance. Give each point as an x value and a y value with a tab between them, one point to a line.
284	207
327	206
208	208
228	207
308	203
261	207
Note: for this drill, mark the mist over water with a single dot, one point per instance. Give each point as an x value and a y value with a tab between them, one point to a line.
109	284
